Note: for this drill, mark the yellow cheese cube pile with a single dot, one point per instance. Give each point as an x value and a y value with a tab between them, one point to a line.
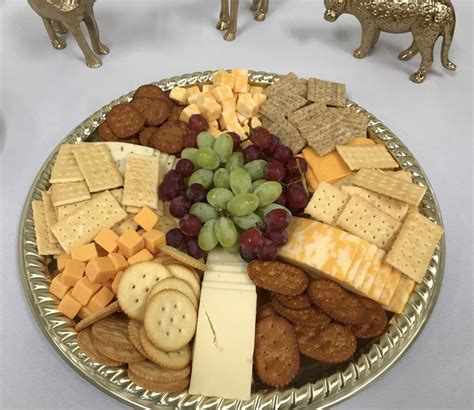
229	104
88	277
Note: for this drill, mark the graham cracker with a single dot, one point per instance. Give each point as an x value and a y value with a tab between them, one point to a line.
50	215
85	223
361	218
98	167
333	94
387	185
141	181
402	294
414	246
366	156
45	247
288	134
327	203
281	104
65	168
393	207
64	193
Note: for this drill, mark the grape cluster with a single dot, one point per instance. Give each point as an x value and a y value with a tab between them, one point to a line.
231	197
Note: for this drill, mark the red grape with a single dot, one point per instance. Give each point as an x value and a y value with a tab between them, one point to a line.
235	139
251	240
296	196
273	146
281	200
297	165
261	137
268	251
277	219
190	225
283	154
198	123
175	238
274	171
296	211
193	249
185	167
252	153
279	237
196	193
179	206
168	190
247	256
190	139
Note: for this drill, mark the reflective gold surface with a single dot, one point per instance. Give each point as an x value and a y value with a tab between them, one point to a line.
427	20
316	385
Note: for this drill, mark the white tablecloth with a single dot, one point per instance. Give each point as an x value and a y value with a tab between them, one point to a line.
45	93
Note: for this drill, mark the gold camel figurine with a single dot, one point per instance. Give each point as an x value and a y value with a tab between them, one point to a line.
60	16
427	20
228	15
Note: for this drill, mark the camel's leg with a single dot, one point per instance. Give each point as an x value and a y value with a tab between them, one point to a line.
409	53
255	5
375	39
262	10
91	25
232	29
223	22
57	42
59	27
369	38
91	59
425	43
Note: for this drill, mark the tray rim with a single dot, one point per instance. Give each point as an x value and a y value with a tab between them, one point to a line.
426	298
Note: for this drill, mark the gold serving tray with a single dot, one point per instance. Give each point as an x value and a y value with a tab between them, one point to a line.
316	385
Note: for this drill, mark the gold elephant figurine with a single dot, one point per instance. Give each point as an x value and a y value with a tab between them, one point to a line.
60	16
426	19
228	15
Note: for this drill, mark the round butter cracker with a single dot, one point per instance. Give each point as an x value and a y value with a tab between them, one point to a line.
175	284
186	274
87	345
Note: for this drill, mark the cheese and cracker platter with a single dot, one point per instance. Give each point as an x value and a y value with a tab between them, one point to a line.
231	239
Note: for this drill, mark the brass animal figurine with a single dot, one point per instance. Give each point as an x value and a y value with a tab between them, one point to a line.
426	19
60	16
228	16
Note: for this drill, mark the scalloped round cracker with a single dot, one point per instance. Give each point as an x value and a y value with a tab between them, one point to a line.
182	272
87	345
136	282
154	373
168	387
183	257
134	327
96	316
113	331
119	354
177	284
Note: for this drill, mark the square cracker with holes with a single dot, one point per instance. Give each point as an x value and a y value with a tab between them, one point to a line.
361	218
65	168
64	193
366	156
45	247
414	246
327	203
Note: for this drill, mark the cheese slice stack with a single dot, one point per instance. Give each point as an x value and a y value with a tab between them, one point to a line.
225	335
324	250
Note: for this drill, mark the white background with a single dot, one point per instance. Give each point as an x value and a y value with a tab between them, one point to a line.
45	93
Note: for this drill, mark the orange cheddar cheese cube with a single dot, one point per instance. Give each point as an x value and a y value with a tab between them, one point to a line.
61	261
180	95
241	83
329	168
84	312
100	269
118	260
222	77
84	290
58	288
116	281
142	256
130	243
101	299
222	93
108	284
69	306
84	253
154	239
107	239
146	218
73	272
188	111
192	91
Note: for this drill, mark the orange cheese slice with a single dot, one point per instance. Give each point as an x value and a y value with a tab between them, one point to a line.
380	281
402	294
356	263
390	286
328	168
363	282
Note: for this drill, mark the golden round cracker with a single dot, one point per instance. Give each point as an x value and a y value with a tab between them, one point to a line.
136	282
87	345
113	331
170	320
96	316
152	372
164	259
183	257
169	360
119	354
161	387
176	284
134	335
183	273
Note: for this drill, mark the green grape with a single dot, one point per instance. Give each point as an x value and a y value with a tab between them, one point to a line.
257	183
240	181
207	239
226	232
203	211
207	158
223	147
219	197
266	209
236	161
248	221
243	204
268	192
221	178
255	168
233	249
190	153
205	140
201	176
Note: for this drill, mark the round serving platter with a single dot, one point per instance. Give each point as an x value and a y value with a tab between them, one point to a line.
316	385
